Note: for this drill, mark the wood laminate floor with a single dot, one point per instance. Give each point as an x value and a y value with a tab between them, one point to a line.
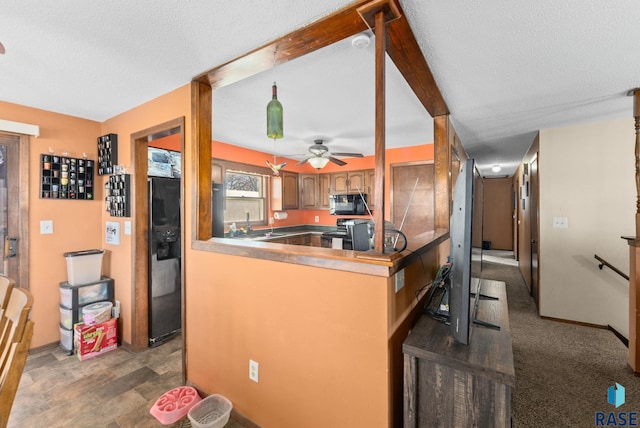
113	390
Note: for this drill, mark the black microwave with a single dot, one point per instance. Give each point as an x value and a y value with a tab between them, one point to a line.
347	204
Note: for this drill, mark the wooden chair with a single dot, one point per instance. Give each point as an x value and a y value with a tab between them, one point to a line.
16	331
6	284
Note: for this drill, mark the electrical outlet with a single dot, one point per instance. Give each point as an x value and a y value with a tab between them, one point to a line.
46	227
127	227
399	280
317	219
271	220
253	370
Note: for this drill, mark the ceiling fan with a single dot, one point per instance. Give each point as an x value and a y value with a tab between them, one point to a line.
320	156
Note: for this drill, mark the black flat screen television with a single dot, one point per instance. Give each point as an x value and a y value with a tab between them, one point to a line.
465	279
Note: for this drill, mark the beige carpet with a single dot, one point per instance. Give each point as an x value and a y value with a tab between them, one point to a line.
563	370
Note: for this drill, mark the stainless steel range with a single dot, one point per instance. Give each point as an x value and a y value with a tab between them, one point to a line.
345	231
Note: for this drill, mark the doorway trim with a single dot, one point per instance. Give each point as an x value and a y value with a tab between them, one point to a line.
140	228
22	148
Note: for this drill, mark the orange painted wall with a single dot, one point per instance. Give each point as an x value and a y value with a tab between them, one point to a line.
295	217
319	335
170	106
75	223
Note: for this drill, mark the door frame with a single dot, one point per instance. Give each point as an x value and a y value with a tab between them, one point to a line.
535	229
23	174
140	229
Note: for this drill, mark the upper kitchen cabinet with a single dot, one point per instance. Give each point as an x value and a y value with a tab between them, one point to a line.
347	182
284	191
370	187
324	190
309	194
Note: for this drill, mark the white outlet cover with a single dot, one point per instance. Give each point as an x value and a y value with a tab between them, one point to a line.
127	227
46	227
399	277
254	371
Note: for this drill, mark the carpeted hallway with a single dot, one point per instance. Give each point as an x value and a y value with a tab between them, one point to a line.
563	370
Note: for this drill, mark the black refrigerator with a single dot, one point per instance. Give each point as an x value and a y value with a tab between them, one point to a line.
165	284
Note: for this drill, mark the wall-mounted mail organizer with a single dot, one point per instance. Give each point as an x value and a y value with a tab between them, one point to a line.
107	153
63	177
118	191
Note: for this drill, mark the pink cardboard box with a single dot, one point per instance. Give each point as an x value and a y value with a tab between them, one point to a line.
93	340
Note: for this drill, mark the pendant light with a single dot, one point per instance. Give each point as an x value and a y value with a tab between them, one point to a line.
274	115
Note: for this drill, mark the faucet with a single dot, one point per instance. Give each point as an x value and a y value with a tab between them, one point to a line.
248	223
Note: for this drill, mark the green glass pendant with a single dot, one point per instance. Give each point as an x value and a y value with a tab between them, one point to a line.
274	116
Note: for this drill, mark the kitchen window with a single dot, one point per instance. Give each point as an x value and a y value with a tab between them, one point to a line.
245	199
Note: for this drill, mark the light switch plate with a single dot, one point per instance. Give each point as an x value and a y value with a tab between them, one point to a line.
127	227
560	222
46	227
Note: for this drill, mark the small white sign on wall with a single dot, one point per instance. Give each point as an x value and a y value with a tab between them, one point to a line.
113	233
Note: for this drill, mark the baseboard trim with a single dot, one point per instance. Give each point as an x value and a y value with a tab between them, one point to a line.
619	335
43	348
566	321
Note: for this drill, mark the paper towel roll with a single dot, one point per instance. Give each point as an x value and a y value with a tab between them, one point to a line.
280	215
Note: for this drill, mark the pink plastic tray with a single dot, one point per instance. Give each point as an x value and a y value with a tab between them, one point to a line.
174	405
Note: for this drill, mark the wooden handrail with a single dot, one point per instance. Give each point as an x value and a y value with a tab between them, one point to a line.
603	263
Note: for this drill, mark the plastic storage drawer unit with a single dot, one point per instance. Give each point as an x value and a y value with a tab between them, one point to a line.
84	267
66	340
74	296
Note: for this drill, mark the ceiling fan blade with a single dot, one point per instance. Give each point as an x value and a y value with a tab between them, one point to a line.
337	161
350	155
302	162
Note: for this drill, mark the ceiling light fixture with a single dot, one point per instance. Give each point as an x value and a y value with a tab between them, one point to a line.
496	168
318	162
274	115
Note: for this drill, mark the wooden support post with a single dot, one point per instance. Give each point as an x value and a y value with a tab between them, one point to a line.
377	14
634	253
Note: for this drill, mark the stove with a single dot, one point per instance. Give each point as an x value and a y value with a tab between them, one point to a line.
341	231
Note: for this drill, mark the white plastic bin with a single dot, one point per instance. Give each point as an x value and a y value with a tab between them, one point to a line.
84	267
73	296
66	339
212	412
97	313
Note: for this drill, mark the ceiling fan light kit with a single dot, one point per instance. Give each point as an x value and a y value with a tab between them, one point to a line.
318	162
321	156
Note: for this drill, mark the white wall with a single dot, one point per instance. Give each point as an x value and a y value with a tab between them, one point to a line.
587	175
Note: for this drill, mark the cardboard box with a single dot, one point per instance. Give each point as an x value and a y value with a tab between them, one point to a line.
93	340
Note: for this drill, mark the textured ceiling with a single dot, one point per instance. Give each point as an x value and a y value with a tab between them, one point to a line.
505	69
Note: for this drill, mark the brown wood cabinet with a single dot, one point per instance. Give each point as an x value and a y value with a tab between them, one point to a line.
347	182
447	384
217	172
310	239
284	191
370	187
324	190
309	195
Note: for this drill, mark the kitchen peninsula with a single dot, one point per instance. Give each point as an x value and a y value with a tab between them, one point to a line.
325	326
